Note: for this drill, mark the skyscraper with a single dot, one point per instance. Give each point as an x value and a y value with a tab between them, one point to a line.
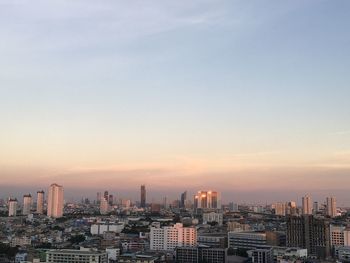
104	206
40	202
331	207
55	201
307	205
183	199
207	199
143	196
27	204
12	207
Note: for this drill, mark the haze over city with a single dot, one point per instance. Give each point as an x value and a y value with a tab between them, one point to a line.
249	99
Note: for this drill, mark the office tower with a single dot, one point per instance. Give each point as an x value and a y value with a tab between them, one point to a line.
106	196
291	208
167	238
307	205
98	197
143	196
233	207
27	204
110	199
309	232
207	199
55	201
40	202
280	209
331	207
316	208
12	207
104	206
183	199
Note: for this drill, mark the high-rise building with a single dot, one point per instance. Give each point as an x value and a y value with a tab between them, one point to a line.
40	202
331	207
110	199
207	199
316	208
167	238
309	232
307	205
106	195
12	207
280	209
233	207
55	201
27	204
98	197
104	206
143	196
183	199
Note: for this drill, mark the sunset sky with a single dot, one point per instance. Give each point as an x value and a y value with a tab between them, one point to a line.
248	97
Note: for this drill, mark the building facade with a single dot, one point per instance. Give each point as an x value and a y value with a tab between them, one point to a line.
55	201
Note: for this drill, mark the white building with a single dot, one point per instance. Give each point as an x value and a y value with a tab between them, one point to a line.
112	254
55	201
13	207
169	237
75	256
27	204
213	217
100	228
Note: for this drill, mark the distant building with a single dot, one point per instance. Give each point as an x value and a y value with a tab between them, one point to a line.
143	196
12	207
167	238
183	199
212	217
74	256
27	204
247	240
331	207
200	254
311	233
40	202
55	201
104	206
316	208
307	205
101	228
280	209
207	199
233	207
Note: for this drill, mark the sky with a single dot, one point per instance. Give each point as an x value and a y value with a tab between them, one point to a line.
250	98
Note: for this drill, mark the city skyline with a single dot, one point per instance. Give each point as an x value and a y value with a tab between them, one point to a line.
249	99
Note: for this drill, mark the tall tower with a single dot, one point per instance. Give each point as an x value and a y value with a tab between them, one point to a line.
143	196
40	202
13	207
55	201
307	205
183	199
331	206
27	204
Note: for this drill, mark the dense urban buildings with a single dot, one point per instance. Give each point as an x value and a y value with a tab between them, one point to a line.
55	201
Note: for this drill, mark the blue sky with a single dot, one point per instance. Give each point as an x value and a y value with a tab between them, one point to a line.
175	88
